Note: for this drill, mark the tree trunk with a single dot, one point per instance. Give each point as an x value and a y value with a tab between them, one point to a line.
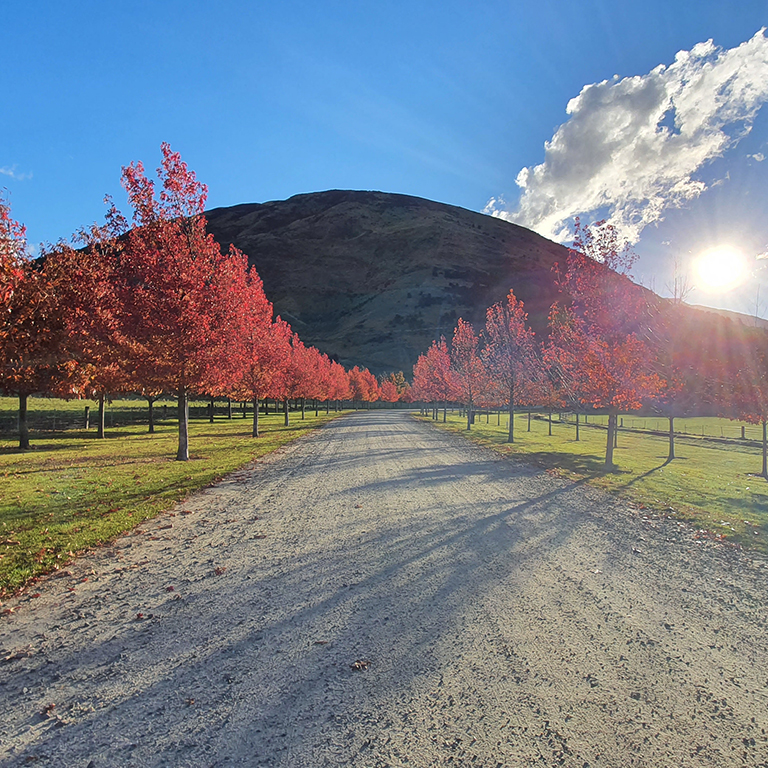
511	435
317	407
327	406
609	442
529	421
23	424
285	410
549	418
765	449
255	432
183	453
469	417
671	438
302	408
100	426
87	418
577	426
242	405
210	411
445	411
229	408
151	404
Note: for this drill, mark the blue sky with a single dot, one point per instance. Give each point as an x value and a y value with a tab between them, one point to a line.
444	100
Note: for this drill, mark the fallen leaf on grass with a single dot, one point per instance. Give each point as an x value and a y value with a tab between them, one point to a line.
360	664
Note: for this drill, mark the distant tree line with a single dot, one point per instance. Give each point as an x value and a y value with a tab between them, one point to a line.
153	306
610	348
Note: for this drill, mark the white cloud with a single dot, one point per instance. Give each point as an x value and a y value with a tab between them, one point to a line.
633	145
759	156
6	171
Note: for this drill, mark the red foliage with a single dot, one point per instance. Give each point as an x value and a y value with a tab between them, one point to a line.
33	339
388	391
363	385
595	340
433	379
176	283
13	247
258	348
86	280
469	373
509	353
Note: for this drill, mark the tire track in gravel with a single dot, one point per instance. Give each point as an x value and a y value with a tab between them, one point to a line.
503	617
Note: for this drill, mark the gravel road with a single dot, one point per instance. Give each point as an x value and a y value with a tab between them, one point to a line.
383	594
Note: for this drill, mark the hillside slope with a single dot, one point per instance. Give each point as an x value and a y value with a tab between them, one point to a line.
373	278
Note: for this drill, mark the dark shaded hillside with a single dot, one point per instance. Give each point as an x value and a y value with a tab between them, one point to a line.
373	277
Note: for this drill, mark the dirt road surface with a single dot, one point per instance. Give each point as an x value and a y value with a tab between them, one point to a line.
383	594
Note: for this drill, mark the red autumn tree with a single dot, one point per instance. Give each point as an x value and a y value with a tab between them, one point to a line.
388	390
33	348
339	389
433	378
595	334
13	248
262	346
394	385
469	372
363	385
293	380
86	280
509	351
311	385
747	397
173	282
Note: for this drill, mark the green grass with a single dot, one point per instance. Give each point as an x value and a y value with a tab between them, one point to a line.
711	483
72	491
710	428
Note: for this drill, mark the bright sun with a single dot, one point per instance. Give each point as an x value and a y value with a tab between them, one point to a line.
721	269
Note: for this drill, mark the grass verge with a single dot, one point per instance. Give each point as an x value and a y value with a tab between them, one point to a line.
72	491
710	484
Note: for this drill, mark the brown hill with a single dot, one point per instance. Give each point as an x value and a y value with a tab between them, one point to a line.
373	278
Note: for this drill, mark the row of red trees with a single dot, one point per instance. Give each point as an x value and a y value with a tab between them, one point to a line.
154	306
611	347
